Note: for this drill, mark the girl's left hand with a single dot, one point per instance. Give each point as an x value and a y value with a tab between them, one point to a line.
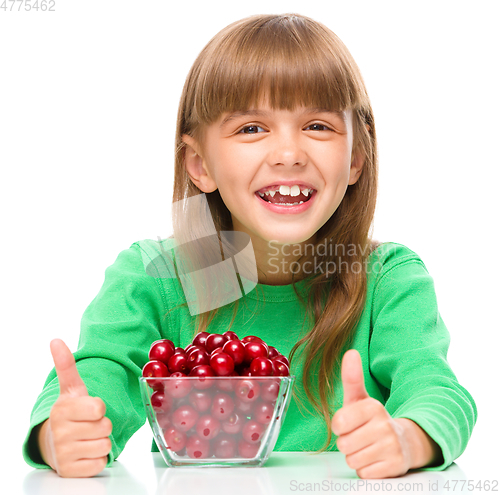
375	444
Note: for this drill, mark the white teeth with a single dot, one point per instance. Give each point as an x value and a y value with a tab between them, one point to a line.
284	190
287	191
267	193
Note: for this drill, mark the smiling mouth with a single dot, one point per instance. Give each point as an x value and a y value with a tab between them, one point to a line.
285	199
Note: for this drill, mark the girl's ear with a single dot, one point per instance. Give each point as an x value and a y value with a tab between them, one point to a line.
196	166
357	162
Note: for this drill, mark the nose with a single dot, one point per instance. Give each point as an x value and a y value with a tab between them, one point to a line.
287	149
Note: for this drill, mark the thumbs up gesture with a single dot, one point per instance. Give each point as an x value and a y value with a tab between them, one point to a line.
74	441
375	444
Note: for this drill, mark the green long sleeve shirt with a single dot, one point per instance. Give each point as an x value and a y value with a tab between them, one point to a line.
402	340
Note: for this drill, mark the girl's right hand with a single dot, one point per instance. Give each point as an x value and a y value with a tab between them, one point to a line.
74	441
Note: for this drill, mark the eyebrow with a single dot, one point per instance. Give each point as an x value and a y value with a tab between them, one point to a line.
261	113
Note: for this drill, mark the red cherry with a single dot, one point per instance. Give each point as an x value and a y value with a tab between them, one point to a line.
155	369
233	424
176	387
178	362
197	448
161	403
222	406
231	335
204	372
201	401
161	350
236	350
283	359
261	366
197	357
184	417
253	431
263	412
190	348
280	368
272	352
179	349
247	390
216	351
224	446
253	350
222	364
269	390
248	450
200	339
207	427
215	340
174	439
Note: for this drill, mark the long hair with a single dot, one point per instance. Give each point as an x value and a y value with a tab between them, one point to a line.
295	61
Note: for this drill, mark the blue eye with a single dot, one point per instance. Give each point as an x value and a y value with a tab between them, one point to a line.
250	128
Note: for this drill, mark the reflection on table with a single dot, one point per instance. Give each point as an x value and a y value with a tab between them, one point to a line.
284	472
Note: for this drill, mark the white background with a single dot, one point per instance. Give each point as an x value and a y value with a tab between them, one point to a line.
88	107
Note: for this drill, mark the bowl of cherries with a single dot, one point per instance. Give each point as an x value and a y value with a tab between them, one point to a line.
221	401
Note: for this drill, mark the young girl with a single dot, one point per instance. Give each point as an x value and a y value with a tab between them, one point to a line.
274	110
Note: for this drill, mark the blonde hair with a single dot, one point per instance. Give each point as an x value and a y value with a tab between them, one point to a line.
294	61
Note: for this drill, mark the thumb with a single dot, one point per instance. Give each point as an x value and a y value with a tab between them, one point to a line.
352	378
70	382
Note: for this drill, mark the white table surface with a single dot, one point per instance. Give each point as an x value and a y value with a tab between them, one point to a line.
289	472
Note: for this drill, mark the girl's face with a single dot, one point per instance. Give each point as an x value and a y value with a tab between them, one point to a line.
246	152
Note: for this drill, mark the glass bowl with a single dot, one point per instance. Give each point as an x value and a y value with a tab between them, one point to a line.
216	421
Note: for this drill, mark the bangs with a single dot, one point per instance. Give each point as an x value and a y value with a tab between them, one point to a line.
287	61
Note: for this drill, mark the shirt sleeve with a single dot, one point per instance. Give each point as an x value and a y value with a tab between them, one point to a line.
117	330
408	357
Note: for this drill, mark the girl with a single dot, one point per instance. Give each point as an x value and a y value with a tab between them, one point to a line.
274	112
